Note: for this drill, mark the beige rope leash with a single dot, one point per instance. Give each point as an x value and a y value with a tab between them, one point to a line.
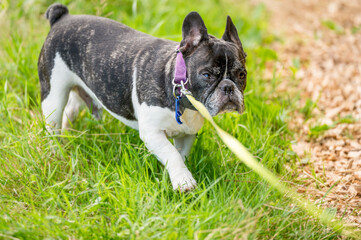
242	153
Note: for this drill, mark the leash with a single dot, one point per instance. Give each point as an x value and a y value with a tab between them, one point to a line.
180	90
246	157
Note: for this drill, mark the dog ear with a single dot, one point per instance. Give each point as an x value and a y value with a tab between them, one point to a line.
231	34
193	32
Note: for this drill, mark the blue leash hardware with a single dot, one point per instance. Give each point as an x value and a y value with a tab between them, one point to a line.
178	114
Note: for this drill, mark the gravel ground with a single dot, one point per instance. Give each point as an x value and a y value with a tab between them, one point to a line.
320	63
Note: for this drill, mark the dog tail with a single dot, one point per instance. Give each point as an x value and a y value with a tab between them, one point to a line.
55	12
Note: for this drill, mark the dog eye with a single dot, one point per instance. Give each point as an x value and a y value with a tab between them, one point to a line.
242	75
207	75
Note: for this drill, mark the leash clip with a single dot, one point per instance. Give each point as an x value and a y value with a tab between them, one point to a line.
183	90
178	94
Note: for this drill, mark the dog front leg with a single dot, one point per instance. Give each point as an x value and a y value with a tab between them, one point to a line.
184	145
157	143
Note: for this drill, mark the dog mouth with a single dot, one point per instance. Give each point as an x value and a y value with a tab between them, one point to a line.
218	103
230	106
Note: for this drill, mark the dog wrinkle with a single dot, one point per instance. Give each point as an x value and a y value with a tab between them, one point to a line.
225	71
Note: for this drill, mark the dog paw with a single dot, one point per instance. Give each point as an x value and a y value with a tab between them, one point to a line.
183	181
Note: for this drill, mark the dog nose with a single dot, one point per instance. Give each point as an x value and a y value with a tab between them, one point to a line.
227	87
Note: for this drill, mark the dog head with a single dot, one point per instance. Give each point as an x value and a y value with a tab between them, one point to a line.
215	67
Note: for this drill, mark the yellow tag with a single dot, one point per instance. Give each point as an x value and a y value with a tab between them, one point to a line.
242	153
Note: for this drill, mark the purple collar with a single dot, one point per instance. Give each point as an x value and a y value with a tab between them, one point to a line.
180	72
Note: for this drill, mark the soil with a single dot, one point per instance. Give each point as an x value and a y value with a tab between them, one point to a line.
320	65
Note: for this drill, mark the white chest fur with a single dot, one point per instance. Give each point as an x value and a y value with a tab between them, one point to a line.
192	123
164	119
153	117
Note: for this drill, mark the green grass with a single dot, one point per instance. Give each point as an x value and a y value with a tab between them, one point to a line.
100	182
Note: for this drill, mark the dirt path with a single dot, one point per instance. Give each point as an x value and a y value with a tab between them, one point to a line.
321	58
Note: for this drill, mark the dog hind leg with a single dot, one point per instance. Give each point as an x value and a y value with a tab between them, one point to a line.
78	99
61	82
94	106
71	111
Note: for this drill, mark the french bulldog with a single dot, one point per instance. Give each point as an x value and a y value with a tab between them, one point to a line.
103	64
